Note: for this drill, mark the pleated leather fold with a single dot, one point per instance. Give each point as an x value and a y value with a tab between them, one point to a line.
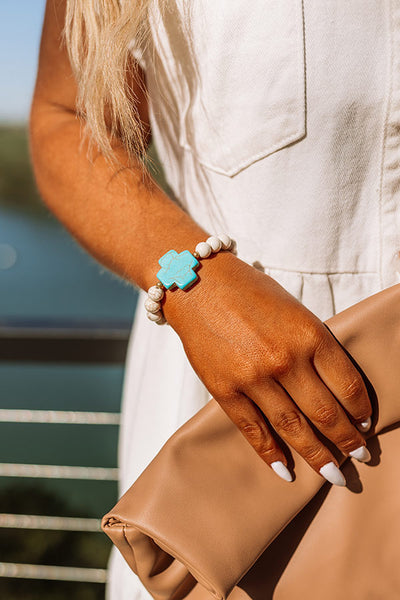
208	518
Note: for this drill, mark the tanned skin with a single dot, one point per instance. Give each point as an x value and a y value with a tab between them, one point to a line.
257	349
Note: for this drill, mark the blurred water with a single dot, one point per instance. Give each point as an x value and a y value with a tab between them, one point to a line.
52	276
45	276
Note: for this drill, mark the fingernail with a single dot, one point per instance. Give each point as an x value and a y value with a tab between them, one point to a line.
362	454
332	474
281	470
364	425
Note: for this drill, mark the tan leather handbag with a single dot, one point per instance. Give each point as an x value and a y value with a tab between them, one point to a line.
208	518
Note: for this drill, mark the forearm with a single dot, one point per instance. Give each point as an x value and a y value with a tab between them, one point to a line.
122	218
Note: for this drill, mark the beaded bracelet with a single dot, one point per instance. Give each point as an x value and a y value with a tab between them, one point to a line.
178	269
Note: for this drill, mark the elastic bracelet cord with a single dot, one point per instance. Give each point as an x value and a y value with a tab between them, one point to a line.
178	270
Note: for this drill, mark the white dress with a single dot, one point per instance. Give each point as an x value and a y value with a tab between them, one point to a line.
279	125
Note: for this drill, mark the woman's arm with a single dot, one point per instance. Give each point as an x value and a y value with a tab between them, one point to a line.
122	218
257	349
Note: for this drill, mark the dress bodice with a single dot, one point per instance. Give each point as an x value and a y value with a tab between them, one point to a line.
270	124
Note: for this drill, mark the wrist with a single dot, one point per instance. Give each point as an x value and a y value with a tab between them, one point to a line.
180	233
179	305
179	284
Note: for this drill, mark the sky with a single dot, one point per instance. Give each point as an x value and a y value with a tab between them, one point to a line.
20	29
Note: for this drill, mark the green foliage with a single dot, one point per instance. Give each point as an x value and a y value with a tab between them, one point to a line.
58	548
50	590
17	185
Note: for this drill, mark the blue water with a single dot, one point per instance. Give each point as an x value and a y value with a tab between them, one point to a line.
54	279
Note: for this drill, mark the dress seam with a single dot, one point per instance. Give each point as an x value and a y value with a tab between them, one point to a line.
321	272
332	296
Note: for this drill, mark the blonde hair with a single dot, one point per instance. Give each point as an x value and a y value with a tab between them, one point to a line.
99	35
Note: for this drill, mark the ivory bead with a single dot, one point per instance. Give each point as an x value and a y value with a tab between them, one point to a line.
156	317
161	321
151	306
215	243
225	240
155	293
203	249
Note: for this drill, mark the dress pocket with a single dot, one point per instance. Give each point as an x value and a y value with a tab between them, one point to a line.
249	97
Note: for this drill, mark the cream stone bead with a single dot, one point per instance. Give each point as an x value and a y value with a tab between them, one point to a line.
203	249
151	306
155	317
215	243
162	321
225	240
155	293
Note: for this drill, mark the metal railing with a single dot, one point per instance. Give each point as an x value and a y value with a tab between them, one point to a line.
58	343
46	341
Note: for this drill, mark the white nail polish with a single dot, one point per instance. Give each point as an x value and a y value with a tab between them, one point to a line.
365	425
362	454
281	470
332	474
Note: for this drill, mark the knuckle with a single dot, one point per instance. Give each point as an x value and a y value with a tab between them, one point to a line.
319	339
253	430
353	389
314	454
349	443
251	372
289	422
225	391
326	415
269	453
315	337
254	433
281	364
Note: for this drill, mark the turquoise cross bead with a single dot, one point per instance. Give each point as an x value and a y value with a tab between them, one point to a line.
177	269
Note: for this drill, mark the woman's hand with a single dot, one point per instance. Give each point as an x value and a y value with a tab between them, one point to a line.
258	350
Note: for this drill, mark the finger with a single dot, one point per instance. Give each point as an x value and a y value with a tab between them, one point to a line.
251	423
290	423
341	377
315	400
